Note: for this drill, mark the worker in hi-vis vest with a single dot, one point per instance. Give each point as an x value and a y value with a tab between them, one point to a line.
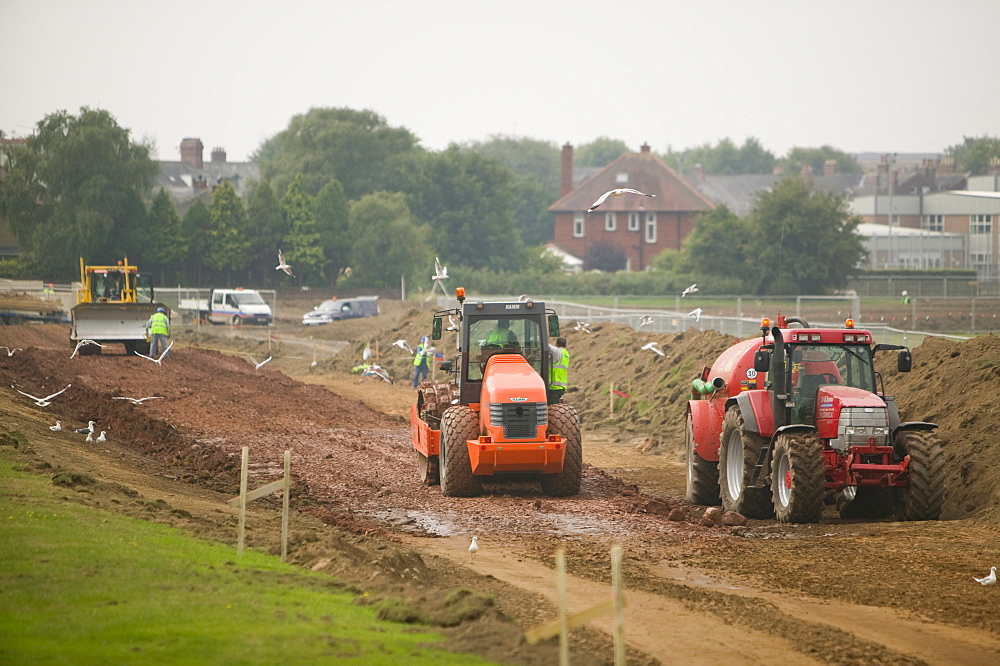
558	371
421	363
159	330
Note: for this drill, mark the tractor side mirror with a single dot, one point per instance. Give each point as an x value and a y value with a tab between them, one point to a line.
904	361
762	360
445	366
553	326
436	329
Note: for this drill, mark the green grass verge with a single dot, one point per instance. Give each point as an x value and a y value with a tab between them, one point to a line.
80	585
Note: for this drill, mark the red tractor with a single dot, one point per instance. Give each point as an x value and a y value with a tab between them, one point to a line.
781	424
494	418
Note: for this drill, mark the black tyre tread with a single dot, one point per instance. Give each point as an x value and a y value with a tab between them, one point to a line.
868	503
923	499
702	475
808	471
752	502
428	469
458	424
563	420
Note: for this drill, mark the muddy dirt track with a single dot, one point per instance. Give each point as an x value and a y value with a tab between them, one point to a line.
836	592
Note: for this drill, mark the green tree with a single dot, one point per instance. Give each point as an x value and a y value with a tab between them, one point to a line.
469	203
803	241
716	254
302	249
354	147
973	155
268	228
725	158
165	246
196	227
387	244
333	224
815	158
599	152
229	236
76	190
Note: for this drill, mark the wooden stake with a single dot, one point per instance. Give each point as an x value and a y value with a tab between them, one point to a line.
243	500
611	398
618	603
286	487
561	601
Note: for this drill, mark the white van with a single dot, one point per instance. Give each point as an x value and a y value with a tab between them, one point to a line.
238	306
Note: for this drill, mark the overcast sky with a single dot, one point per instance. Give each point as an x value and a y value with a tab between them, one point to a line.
859	75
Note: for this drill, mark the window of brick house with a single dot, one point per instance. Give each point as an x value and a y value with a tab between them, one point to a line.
633	221
578	230
650	227
610	221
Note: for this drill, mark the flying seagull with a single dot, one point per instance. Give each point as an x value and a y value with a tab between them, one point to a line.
41	402
474	547
988	580
654	346
257	365
162	356
376	371
57	427
137	401
617	192
402	344
89	430
282	266
440	272
645	320
582	326
690	290
82	343
696	313
10	352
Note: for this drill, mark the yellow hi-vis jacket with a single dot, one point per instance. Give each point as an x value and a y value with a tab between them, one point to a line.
159	324
559	372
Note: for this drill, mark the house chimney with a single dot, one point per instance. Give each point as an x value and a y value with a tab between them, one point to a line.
644	148
566	174
698	172
191	152
807	170
777	170
994	166
947	164
198	184
830	167
218	155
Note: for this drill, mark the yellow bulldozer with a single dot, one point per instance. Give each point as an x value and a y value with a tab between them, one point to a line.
113	305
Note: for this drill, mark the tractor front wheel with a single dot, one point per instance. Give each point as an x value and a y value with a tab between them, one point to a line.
798	478
702	475
459	424
923	497
737	458
564	421
428	469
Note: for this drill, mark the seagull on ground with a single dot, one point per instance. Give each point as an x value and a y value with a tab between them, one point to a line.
440	272
617	192
474	548
83	343
90	437
988	580
89	430
41	402
654	346
645	320
282	265
696	313
157	361
256	365
582	326
57	427
376	371
690	290
402	344
10	352
137	401
102	437
452	324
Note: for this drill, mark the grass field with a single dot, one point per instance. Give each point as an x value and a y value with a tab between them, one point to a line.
80	585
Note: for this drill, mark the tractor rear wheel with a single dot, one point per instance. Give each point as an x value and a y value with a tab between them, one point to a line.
923	498
798	478
564	421
702	475
458	424
737	457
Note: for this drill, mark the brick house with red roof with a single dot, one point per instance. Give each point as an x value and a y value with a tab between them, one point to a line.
638	227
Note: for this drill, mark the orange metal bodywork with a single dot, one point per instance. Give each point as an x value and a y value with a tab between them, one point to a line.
508	379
